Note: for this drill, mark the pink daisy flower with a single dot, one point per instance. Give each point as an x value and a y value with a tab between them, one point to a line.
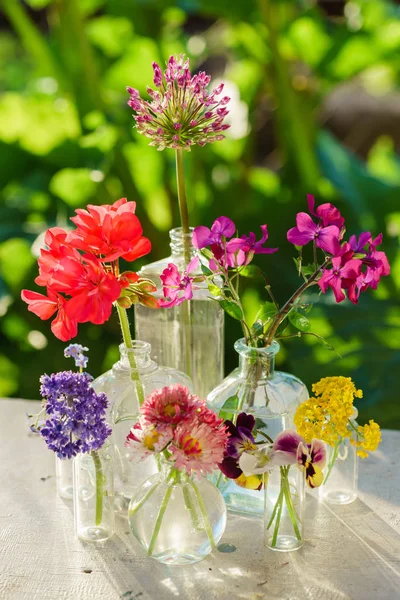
197	447
169	405
144	440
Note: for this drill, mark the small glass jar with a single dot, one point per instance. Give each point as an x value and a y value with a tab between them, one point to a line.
64	478
340	484
121	388
178	519
271	396
94	495
284	502
179	335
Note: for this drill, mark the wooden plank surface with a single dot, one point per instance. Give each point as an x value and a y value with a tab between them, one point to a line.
351	552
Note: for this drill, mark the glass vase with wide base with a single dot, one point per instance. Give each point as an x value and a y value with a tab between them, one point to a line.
271	396
189	337
126	388
177	518
340	484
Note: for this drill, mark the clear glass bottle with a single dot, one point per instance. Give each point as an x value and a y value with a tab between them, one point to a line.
180	335
284	497
177	518
341	471
64	478
94	495
271	396
121	389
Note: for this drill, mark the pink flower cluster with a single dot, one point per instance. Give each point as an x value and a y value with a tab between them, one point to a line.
356	265
181	111
228	252
178	424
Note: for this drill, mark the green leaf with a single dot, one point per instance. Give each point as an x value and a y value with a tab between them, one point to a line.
266	313
205	270
232	309
16	261
214	289
299	321
258	328
260	424
229	405
252	272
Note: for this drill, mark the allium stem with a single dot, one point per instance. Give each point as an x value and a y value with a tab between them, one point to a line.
183	209
126	335
99	486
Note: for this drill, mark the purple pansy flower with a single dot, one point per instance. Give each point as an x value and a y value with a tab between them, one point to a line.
311	458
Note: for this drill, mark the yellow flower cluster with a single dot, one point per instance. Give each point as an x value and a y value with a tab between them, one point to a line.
369	437
326	416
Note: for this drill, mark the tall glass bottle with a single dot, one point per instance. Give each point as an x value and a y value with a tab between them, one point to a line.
271	396
125	394
189	337
64	478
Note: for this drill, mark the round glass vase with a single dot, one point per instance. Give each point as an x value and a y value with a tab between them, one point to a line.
340	484
178	519
180	334
271	396
64	478
126	388
284	502
94	495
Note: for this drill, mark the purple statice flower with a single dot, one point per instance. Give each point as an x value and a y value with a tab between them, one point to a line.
74	421
181	111
76	351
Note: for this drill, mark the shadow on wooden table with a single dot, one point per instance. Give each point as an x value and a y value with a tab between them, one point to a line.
349	553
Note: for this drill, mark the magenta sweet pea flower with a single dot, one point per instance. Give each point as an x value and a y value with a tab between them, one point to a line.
176	287
327	213
326	238
343	275
226	253
376	262
254	246
222	228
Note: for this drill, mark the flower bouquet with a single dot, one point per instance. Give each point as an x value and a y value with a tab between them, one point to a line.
180	113
178	515
270	463
347	267
73	423
330	415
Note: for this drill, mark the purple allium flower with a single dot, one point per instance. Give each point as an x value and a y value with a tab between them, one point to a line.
75	415
182	111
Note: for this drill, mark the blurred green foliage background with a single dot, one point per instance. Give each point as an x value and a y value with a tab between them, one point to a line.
315	89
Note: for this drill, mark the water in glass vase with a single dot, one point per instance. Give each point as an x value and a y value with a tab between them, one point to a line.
271	396
188	337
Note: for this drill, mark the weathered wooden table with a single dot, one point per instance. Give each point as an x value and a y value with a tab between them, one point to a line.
351	552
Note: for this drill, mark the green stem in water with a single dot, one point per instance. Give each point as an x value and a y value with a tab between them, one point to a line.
174	474
332	461
203	510
289	504
126	335
99	486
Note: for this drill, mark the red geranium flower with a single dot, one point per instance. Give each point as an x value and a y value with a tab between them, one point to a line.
110	231
63	327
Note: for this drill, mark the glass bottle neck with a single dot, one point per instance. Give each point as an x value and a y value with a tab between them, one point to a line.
177	243
257	363
136	358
